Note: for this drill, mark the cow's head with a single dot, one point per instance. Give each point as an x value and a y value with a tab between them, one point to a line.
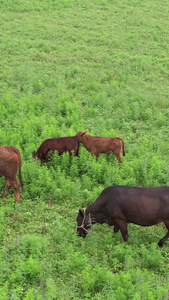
83	223
33	154
80	134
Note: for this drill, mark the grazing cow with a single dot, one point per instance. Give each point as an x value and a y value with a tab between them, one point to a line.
10	161
98	144
119	205
61	144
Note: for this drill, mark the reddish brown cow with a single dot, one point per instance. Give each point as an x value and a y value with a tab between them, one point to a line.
61	144
10	161
98	144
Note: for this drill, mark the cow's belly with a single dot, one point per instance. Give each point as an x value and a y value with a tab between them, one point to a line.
146	220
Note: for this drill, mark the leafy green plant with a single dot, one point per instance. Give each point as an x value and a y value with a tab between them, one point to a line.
105	70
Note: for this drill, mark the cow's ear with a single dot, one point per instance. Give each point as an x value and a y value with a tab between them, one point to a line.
84	132
81	211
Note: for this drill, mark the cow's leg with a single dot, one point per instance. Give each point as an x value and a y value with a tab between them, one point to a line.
162	241
7	187
76	152
15	185
119	159
47	158
117	153
122	224
94	152
97	155
116	228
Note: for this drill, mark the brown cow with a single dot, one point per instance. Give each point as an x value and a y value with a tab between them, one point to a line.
97	144
10	161
61	144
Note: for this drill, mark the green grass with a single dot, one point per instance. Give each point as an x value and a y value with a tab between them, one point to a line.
68	66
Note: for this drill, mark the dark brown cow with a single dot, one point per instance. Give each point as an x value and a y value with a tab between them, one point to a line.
98	144
61	144
10	161
119	205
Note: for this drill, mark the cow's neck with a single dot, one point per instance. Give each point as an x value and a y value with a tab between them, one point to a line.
96	216
86	139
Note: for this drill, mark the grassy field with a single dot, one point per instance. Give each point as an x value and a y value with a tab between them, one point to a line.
68	66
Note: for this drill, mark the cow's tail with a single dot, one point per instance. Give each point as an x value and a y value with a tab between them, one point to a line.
20	163
77	151
123	148
20	177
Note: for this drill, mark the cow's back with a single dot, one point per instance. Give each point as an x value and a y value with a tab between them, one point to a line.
62	144
140	205
124	195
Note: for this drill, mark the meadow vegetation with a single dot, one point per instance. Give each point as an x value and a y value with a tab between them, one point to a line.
67	66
